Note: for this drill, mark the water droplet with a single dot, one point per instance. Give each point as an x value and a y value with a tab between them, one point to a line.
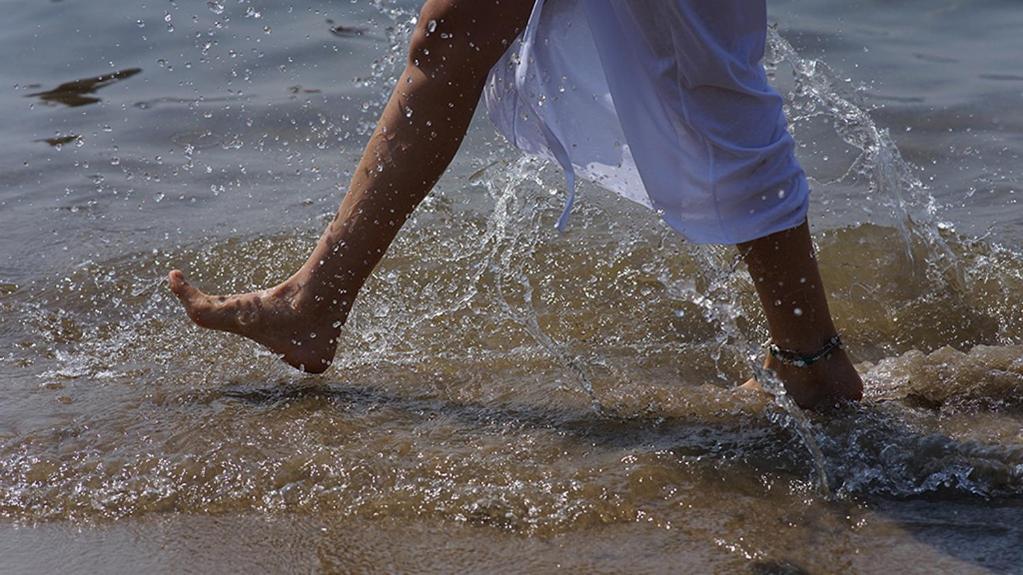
141	23
408	112
797	312
215	7
431	26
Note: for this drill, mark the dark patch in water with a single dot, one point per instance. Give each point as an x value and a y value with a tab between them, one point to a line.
147	104
776	568
935	58
899	99
299	89
1001	77
343	31
73	94
58	141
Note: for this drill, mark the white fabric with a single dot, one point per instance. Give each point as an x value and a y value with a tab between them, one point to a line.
662	101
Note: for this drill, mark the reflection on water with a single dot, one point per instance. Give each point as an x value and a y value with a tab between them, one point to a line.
190	102
74	94
345	31
1002	77
58	141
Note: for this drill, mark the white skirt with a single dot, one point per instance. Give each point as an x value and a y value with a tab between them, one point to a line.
662	101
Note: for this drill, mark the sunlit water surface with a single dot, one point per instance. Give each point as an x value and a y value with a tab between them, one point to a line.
505	399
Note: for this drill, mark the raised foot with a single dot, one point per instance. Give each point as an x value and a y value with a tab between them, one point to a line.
826	382
304	338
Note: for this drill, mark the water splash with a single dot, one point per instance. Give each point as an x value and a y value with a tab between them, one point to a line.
459	399
879	165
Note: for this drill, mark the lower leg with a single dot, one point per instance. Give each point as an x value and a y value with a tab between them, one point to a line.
417	136
784	270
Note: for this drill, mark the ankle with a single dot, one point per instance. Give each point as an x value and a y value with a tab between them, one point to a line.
805	356
832	378
313	297
805	342
817	370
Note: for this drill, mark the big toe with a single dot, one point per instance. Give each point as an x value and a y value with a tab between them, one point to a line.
190	297
180	286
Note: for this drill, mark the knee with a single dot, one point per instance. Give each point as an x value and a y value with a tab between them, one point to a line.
463	38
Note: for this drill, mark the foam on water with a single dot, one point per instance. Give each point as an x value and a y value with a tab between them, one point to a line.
495	362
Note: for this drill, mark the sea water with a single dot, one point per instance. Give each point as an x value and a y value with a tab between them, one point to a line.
505	399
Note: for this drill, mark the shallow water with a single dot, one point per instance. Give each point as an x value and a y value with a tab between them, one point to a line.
505	400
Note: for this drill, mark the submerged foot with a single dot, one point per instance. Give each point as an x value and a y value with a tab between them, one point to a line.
275	318
826	382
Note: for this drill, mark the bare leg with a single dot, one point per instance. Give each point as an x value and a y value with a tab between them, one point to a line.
784	270
455	44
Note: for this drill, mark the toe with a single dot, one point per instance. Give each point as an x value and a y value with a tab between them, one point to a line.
188	294
180	286
194	300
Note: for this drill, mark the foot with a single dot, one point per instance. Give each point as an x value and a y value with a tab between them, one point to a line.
305	338
826	382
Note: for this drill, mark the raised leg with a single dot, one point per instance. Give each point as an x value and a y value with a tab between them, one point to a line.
455	44
784	270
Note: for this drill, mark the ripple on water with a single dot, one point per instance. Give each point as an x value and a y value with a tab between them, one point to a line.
474	421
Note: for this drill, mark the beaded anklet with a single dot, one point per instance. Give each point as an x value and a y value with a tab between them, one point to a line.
796	359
